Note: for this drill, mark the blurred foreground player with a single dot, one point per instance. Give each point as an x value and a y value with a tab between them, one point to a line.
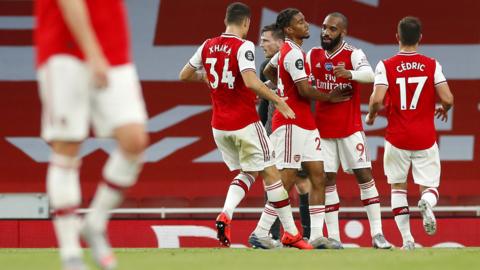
86	77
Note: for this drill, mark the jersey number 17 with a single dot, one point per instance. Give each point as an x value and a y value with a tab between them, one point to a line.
402	83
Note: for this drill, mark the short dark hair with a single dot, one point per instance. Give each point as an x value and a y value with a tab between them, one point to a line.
341	16
276	33
236	13
285	16
409	30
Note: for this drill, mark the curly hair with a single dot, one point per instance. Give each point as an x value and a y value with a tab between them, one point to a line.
285	17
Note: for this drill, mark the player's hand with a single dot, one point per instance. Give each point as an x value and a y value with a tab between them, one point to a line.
370	119
99	67
284	109
339	95
440	113
341	72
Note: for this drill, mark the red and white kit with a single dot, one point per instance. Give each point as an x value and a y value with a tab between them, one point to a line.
410	106
237	131
70	104
340	124
295	140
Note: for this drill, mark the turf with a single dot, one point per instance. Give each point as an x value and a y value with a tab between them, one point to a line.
232	259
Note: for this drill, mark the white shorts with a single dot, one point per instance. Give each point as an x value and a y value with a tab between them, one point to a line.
351	152
425	165
248	149
70	103
294	145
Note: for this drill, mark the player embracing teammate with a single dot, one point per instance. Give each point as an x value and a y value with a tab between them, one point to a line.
335	70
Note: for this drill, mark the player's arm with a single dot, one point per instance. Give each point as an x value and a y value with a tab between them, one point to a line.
295	66
192	71
252	82
376	103
443	92
246	65
362	71
379	91
75	14
308	91
191	74
270	70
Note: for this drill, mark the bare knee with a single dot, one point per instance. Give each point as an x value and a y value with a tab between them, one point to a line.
363	175
402	186
70	149
132	139
331	179
303	185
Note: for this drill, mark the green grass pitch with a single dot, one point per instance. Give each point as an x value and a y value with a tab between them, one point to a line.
233	259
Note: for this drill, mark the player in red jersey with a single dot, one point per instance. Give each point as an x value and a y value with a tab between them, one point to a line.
297	141
409	80
338	64
229	64
86	77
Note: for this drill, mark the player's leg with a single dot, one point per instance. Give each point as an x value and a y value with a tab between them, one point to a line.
276	185
316	202
241	183
332	201
63	189
332	206
355	159
302	184
313	162
279	199
426	173
64	93
269	214
371	202
396	165
119	173
119	112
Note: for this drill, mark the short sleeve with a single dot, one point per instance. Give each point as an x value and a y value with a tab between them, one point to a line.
309	61
380	74
246	56
196	60
359	60
438	77
274	60
294	64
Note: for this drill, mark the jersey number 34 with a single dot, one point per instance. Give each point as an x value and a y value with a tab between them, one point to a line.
227	76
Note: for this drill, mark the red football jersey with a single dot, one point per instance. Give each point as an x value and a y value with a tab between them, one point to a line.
337	120
292	68
108	18
411	80
224	58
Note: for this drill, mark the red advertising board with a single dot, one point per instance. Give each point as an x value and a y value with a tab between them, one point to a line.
201	233
183	168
